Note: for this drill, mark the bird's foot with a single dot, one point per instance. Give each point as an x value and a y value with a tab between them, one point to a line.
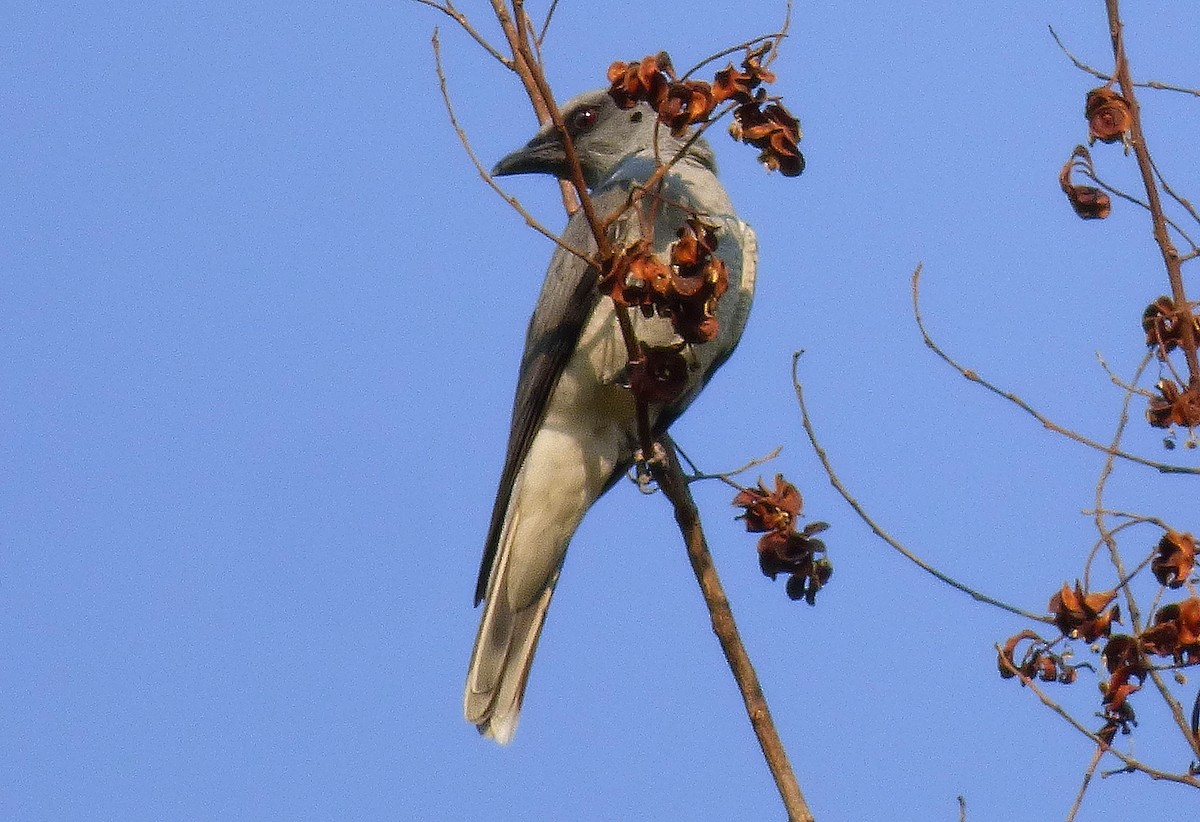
644	475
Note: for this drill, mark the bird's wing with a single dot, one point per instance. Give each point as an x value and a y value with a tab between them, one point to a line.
568	297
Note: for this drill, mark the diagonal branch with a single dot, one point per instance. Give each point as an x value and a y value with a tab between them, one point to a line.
530	220
1084	67
1131	763
670	477
1046	422
1170	255
806	421
457	16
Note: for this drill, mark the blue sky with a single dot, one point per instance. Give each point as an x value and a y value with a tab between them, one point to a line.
260	323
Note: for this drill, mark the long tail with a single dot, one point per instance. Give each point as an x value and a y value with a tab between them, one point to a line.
503	652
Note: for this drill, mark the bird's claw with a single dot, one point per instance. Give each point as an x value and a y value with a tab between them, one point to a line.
644	475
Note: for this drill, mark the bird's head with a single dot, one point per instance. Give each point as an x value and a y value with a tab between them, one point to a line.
603	135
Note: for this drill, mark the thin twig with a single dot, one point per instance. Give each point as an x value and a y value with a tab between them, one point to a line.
530	220
541	88
783	32
1116	192
1026	407
1087	780
1183	201
712	58
457	16
546	23
1130	762
671	479
777	37
525	70
1106	535
1135	519
806	421
1122	581
1079	64
726	476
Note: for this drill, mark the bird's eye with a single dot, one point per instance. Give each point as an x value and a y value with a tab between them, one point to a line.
580	121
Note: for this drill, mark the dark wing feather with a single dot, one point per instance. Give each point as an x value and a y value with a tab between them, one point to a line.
567	299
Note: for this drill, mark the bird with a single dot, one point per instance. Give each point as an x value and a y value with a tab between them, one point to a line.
574	431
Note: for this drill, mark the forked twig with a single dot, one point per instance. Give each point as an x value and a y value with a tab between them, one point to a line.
457	16
1170	256
530	220
726	476
1082	66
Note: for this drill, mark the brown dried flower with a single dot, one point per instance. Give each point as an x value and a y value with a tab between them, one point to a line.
1006	662
769	510
685	103
697	240
1174	559
774	131
804	584
1176	631
686	291
1164	325
1174	406
698	280
782	549
646	79
796	553
660	376
1089	202
1037	661
1080	615
630	275
1116	691
1108	114
739	86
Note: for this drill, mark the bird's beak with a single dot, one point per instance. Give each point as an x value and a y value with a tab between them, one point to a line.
542	155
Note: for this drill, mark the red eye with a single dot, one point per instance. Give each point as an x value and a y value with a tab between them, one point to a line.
580	121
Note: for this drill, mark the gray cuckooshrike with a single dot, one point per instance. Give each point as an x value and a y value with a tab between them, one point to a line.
574	431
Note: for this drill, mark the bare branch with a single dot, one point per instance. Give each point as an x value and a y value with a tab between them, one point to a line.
1170	255
1087	780
806	421
457	16
1116	192
1046	422
673	483
1082	66
1184	202
530	220
726	476
712	58
1130	762
546	23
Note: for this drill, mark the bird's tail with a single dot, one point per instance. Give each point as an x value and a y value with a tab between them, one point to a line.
503	653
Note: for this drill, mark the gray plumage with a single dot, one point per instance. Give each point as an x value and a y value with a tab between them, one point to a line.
573	427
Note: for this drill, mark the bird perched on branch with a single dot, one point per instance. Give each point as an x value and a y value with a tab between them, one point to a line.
574	425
